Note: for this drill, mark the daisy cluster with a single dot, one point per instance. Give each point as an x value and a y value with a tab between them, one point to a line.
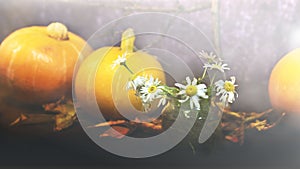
191	91
148	89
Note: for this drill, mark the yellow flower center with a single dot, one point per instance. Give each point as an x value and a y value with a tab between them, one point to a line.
229	87
152	89
191	90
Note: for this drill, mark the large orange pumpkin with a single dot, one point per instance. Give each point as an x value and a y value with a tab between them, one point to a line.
284	83
110	82
36	63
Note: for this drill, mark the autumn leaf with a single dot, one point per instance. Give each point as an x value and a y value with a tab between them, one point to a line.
116	132
259	125
24	119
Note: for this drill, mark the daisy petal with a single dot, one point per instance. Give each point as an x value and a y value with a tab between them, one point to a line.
188	80
194	82
232	79
186	99
181	86
182	92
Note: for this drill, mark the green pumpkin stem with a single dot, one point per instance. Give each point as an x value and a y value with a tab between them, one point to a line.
127	43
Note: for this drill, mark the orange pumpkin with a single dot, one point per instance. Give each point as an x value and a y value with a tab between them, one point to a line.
284	83
107	79
36	63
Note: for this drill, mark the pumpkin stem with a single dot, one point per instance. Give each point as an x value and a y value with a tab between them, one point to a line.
58	31
127	42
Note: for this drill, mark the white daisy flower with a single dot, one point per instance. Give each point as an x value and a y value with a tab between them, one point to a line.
219	66
210	57
137	82
227	90
121	60
151	90
192	92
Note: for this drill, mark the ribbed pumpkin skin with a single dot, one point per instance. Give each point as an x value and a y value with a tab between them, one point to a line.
36	67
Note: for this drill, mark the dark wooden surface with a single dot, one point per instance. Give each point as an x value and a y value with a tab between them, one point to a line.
39	145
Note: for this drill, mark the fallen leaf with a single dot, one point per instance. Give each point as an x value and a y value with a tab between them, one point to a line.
233	139
63	121
116	132
22	117
259	125
108	123
33	119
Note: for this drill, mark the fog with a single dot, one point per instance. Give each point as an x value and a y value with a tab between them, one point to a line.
250	35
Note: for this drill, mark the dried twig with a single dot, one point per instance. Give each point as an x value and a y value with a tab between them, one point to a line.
235	123
123	127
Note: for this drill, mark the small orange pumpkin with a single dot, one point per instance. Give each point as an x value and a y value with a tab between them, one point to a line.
284	83
37	62
99	63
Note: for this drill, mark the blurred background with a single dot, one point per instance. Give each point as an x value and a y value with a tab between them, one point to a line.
250	35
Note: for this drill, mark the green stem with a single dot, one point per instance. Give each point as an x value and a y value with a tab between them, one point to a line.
212	79
170	90
127	42
125	65
203	75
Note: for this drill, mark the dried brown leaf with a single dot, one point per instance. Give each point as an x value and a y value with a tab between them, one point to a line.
63	121
116	132
108	123
33	119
